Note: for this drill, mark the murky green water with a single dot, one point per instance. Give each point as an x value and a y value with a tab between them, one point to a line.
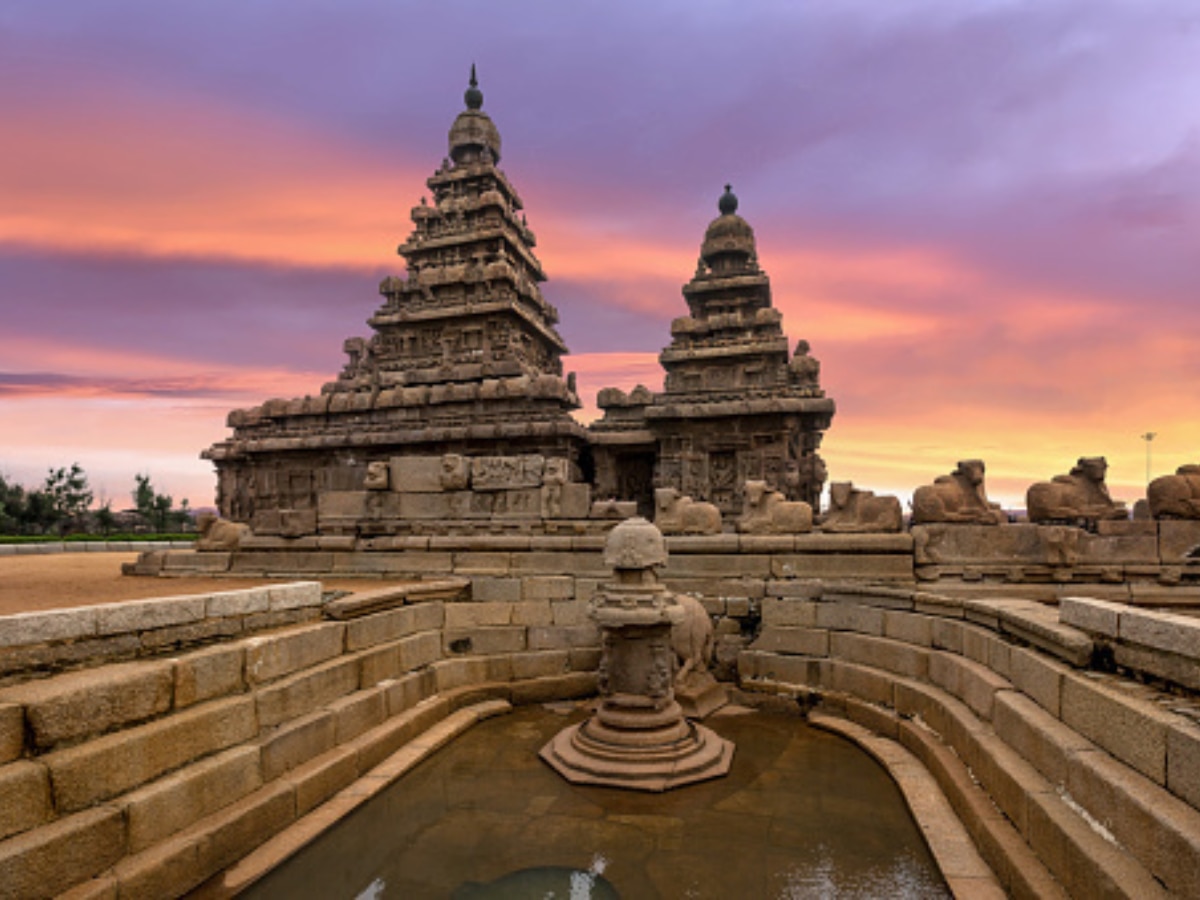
803	814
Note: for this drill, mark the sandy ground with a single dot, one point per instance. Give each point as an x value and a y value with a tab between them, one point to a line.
58	580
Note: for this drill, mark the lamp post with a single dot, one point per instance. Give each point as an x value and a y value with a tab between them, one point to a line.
1148	437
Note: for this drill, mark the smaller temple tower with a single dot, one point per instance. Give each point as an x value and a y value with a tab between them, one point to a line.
736	405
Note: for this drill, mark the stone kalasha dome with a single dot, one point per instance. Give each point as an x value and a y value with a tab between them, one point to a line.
464	367
735	405
464	357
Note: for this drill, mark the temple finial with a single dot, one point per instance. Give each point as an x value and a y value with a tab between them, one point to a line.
728	203
473	95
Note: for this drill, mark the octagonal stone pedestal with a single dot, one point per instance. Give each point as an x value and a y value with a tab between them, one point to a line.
638	738
662	752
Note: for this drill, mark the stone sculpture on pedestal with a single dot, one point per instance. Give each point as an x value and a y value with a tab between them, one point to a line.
769	512
959	497
1176	496
1080	497
674	514
638	738
855	511
219	534
696	689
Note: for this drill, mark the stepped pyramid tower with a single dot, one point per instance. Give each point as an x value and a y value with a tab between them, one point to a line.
735	407
464	357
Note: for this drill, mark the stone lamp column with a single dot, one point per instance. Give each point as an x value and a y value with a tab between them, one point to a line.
638	738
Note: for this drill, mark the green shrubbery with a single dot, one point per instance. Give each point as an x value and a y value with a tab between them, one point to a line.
80	537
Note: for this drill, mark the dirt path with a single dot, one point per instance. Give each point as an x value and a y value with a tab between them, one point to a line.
57	580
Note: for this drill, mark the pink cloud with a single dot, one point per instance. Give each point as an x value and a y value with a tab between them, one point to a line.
187	177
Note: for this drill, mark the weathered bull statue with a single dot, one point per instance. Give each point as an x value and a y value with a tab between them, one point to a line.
958	498
1078	497
692	638
675	514
219	534
852	510
768	512
1176	496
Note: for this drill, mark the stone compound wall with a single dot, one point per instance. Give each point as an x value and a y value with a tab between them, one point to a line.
150	777
553	576
1139	562
40	547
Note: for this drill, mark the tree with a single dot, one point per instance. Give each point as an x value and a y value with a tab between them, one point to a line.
183	516
12	506
155	507
143	496
162	511
69	494
39	514
106	520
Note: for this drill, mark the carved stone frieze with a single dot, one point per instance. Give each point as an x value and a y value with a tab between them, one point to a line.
494	473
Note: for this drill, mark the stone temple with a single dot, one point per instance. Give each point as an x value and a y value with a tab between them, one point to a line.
1030	680
456	408
734	408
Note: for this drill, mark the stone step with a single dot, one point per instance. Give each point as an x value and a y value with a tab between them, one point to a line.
1101	826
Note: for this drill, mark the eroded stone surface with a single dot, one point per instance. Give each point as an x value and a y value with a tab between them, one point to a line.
959	497
1081	496
1176	496
769	512
77	704
854	511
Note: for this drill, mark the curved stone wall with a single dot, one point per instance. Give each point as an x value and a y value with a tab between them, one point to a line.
149	777
1072	782
156	775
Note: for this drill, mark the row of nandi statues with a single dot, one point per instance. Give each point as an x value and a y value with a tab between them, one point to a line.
768	511
1079	497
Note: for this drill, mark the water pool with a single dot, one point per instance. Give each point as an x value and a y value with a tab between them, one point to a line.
802	814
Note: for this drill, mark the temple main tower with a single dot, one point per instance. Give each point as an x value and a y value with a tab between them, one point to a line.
470	309
464	358
736	405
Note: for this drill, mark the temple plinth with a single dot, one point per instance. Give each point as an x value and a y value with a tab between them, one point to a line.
638	737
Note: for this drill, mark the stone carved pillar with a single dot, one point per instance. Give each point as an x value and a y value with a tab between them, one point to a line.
638	738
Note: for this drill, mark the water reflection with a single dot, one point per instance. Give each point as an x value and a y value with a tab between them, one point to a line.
549	882
803	814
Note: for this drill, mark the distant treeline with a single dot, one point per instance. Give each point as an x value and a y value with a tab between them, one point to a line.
62	507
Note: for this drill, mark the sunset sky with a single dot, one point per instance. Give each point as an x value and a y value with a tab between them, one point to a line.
983	215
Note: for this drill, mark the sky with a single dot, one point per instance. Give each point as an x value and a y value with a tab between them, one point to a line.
983	216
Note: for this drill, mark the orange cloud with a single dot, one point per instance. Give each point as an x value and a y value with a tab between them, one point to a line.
191	179
78	370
